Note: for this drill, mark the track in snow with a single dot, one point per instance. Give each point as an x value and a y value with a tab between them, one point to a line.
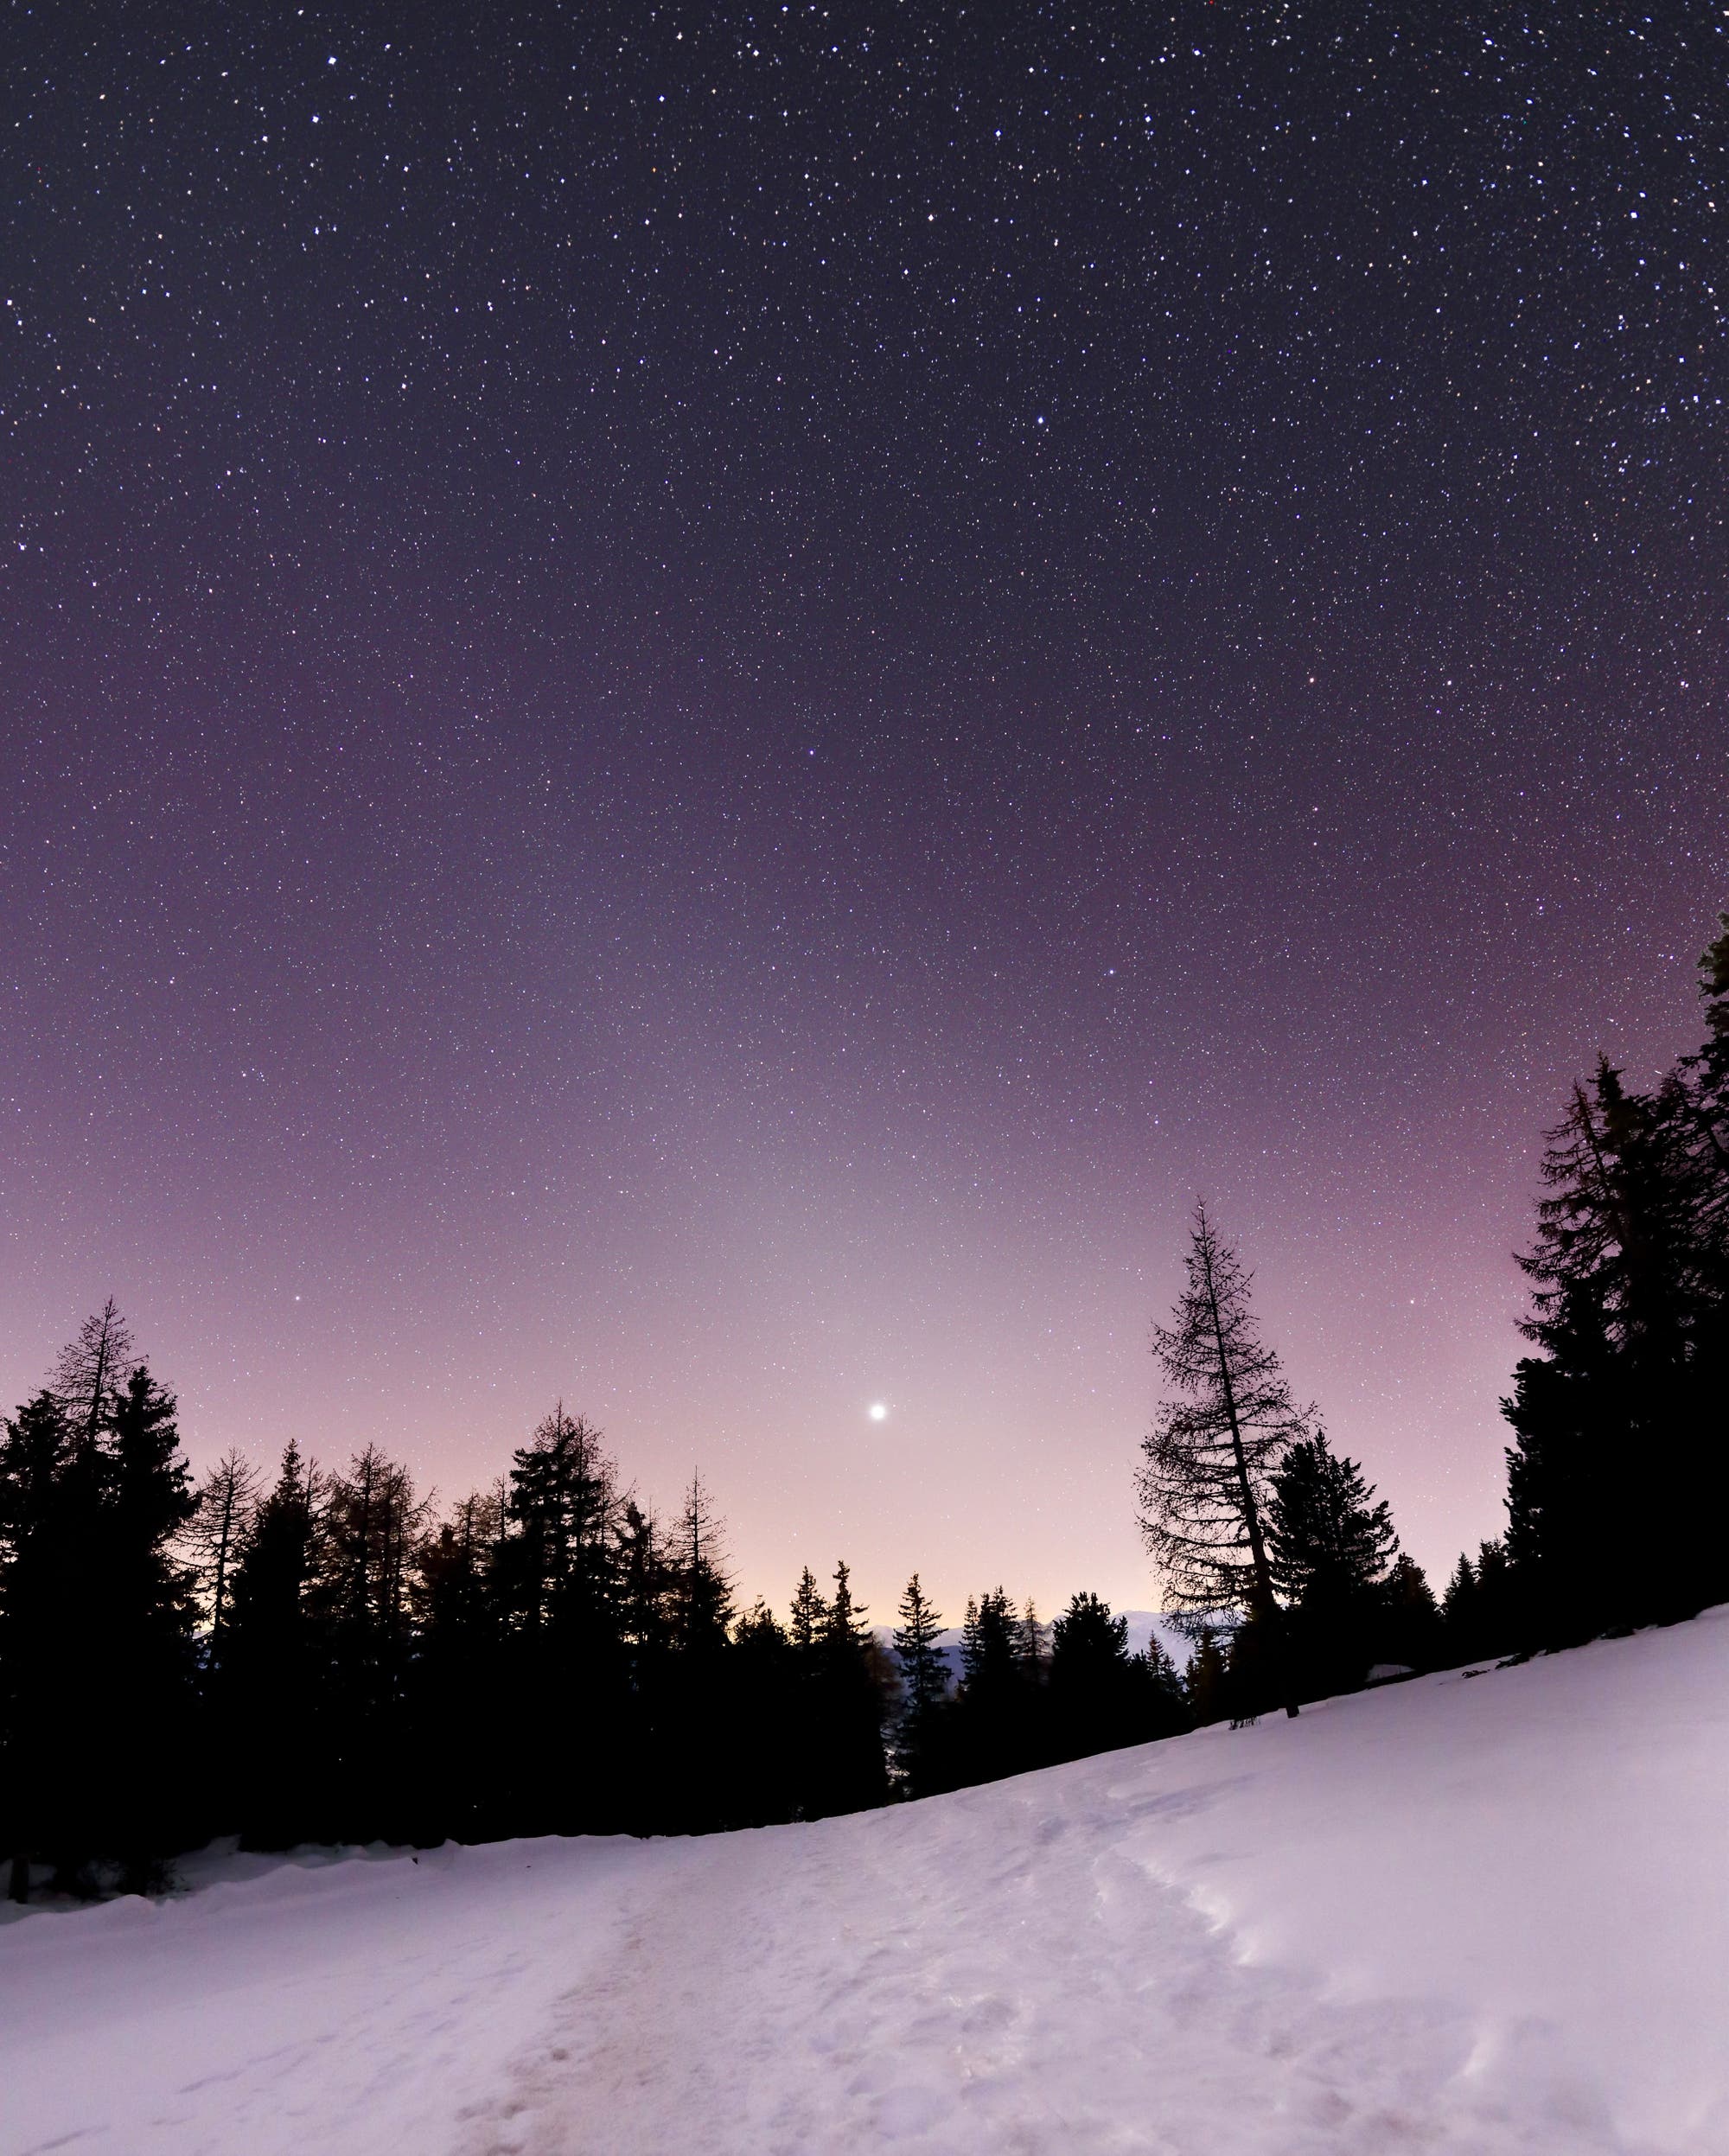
1468	1917
994	1972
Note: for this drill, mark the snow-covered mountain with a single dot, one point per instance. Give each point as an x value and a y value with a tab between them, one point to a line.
1480	1913
1146	1625
1142	1625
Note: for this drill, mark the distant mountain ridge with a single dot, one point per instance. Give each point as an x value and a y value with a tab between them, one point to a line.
1144	1624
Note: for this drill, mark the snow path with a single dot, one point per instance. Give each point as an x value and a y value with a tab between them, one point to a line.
982	1974
347	2008
1470	1916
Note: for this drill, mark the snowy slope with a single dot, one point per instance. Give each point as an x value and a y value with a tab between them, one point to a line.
1467	1916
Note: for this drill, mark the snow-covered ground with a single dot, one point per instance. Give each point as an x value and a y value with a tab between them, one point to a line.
1466	1916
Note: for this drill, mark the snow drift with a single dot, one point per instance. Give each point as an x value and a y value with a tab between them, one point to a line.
1474	1913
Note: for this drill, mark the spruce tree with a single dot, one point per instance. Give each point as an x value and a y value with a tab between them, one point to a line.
1706	1075
924	1683
1410	1632
844	1630
565	1666
1094	1695
989	1646
809	1615
1626	1316
1704	1082
1167	1702
759	1625
452	1679
1032	1645
1101	1696
1332	1546
702	1774
1500	1601
39	1585
1226	1422
768	1694
1086	1640
645	1594
275	1667
995	1728
846	1771
371	1530
563	1510
96	1621
1461	1618
142	1710
1205	1681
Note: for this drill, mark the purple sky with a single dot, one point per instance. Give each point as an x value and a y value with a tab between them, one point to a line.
697	712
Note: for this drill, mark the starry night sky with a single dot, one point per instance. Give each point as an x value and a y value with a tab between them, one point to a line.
699	705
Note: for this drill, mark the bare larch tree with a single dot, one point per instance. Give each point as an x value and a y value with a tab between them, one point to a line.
228	1501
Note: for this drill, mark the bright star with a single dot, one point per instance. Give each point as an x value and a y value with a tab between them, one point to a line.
880	1412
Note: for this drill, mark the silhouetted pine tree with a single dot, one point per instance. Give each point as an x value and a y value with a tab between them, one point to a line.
988	1646
1461	1618
1410	1625
1167	1696
1096	1703
1087	1643
646	1628
996	1728
809	1615
1032	1646
141	1727
1205	1681
769	1693
87	1378
759	1622
701	1590
698	1784
557	1563
1260	1662
924	1685
1500	1599
226	1500
453	1675
845	1770
1101	1696
1225	1426
274	1666
96	1621
1483	1609
40	1574
1704	1092
371	1526
1705	1079
566	1670
1626	1316
91	1370
1331	1545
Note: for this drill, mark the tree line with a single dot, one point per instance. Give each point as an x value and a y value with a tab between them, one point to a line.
1273	1551
319	1655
